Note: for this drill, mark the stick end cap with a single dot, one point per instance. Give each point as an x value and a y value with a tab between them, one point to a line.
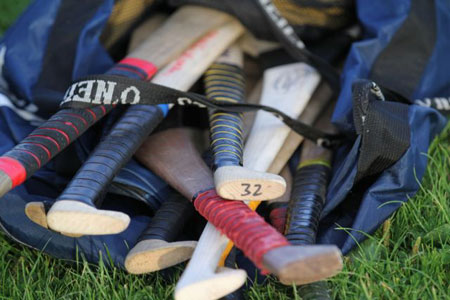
304	264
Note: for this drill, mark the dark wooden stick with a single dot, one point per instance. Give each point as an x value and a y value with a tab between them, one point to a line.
307	201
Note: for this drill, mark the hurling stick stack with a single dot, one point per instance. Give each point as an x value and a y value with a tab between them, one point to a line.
64	127
223	81
193	280
192	178
75	211
37	211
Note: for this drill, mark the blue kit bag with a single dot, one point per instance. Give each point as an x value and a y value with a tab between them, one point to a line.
404	50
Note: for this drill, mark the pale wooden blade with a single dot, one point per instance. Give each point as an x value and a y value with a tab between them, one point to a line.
183	28
144	30
320	99
288	88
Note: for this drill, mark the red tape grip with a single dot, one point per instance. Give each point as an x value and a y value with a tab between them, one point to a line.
148	68
248	230
14	169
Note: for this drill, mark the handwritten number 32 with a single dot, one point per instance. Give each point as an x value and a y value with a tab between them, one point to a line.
256	187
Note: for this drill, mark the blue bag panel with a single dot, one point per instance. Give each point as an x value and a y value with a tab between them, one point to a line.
12	127
380	20
45	53
393	187
91	57
26	42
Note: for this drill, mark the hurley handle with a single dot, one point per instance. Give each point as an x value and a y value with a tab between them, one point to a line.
225	82
112	153
305	207
52	137
169	219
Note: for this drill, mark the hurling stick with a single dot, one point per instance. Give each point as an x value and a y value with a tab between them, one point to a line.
307	200
65	126
289	88
224	81
75	211
37	211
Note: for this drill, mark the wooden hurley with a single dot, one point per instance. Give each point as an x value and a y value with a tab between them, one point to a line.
261	242
289	88
307	201
75	211
224	81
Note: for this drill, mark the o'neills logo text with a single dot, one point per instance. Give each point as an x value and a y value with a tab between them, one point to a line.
281	23
440	103
101	92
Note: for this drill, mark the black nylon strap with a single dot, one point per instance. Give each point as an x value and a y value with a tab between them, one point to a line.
110	89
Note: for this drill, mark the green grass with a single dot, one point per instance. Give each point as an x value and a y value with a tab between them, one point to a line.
9	10
408	258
